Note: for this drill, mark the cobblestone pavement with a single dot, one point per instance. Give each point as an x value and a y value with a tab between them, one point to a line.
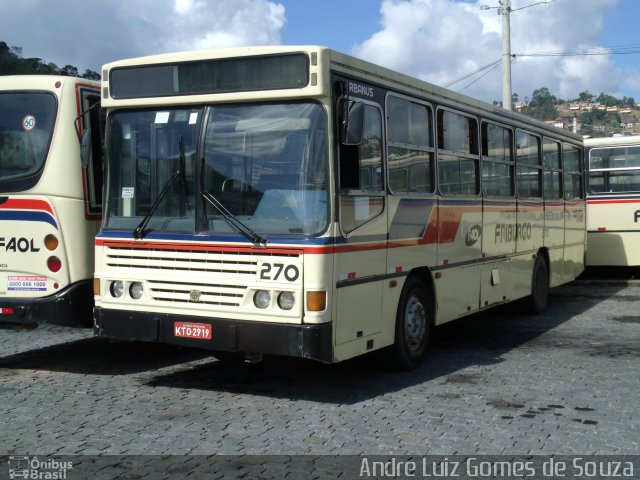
562	383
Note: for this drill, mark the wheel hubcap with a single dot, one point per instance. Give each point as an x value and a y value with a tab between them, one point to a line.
415	323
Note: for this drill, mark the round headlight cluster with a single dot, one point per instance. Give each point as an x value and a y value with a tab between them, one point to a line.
136	290
262	299
117	289
285	300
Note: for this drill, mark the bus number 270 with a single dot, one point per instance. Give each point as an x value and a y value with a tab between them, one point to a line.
274	271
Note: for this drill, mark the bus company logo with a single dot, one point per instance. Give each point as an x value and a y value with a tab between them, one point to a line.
473	235
33	468
194	295
18	244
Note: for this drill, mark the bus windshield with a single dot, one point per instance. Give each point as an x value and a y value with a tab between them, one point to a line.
26	124
266	164
614	169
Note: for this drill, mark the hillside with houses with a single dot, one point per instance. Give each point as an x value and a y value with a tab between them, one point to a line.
601	116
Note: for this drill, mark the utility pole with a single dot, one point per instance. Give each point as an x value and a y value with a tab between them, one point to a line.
505	10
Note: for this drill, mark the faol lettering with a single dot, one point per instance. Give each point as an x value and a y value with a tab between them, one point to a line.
18	244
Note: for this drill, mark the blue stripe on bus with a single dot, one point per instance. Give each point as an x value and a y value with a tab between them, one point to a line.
184	237
27	216
206	238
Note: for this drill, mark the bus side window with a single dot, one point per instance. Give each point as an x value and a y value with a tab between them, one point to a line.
528	165
458	157
497	160
552	169
97	122
410	152
361	180
573	183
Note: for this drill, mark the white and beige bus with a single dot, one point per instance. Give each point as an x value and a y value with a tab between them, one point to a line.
298	201
613	201
50	205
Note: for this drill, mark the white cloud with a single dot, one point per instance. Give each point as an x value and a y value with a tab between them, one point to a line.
101	31
442	40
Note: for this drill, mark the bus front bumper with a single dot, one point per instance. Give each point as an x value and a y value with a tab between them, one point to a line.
70	307
294	340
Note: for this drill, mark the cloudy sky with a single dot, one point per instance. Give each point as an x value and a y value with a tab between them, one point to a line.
436	40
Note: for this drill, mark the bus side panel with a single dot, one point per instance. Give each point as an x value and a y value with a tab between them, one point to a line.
530	226
575	238
412	244
613	232
459	253
497	246
554	226
359	293
24	224
77	233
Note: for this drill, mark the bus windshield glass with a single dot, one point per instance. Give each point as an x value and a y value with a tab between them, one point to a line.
26	124
266	164
144	154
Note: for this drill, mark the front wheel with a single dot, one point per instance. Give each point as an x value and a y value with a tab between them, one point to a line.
413	325
539	286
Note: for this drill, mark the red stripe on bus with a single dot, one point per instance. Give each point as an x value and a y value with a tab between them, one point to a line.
602	202
27	204
197	246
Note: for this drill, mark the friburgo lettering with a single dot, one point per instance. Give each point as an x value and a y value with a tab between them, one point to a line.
508	232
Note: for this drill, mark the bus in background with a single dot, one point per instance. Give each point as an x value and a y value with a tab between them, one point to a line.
50	204
613	201
302	202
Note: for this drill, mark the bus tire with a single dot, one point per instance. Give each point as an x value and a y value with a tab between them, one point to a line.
414	321
537	301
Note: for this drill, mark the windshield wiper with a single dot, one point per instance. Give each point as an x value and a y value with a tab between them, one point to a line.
141	230
233	220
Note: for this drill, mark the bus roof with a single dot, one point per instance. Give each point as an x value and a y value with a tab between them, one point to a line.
342	63
40	82
612	141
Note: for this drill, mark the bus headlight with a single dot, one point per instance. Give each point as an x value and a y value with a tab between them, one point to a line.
286	300
116	289
262	299
136	290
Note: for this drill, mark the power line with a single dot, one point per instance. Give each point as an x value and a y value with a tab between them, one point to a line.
486	73
614	50
630	49
464	77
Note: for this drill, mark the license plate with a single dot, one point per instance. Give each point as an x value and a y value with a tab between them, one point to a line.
200	331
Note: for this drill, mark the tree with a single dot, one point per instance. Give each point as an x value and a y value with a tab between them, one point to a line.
91	75
69	71
608	100
542	105
12	63
585	97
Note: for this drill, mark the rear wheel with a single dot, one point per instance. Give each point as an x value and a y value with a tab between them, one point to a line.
539	286
413	325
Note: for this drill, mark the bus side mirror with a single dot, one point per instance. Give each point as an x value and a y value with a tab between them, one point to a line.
85	148
352	126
